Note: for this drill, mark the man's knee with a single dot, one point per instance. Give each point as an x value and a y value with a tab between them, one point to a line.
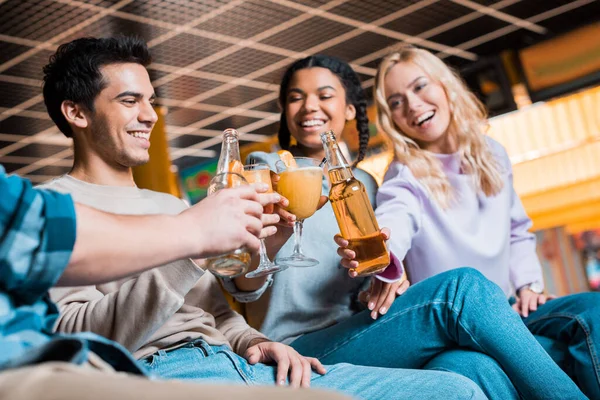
462	360
459	387
482	369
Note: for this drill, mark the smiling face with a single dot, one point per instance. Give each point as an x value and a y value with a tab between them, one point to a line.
118	130
315	103
419	106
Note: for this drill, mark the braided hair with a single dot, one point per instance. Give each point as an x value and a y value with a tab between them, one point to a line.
355	95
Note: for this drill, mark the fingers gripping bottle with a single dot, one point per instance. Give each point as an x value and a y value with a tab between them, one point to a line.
353	211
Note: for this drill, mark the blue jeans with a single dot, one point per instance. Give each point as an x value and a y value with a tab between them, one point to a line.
458	308
201	362
482	369
487	373
569	330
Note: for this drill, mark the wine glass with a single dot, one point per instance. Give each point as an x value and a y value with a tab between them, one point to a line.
255	173
237	262
301	185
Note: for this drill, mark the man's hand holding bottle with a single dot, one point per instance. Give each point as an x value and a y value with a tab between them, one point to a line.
230	219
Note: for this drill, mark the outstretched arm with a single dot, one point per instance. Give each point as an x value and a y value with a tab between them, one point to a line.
44	236
110	247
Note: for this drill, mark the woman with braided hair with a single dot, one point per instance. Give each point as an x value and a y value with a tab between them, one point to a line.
318	310
356	101
317	94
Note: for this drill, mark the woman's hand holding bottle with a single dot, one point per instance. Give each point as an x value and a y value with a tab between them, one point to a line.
380	295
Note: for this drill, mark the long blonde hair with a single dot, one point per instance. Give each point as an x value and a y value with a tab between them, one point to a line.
468	122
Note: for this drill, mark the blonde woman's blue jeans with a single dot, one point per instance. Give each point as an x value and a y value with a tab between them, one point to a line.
458	309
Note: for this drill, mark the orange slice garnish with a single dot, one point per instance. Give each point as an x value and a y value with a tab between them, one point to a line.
237	167
287	158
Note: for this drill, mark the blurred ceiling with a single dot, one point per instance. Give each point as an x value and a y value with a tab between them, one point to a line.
217	62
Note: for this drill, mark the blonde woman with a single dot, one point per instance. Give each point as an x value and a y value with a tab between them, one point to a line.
449	202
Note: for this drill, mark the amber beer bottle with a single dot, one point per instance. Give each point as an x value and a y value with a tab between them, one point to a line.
353	211
237	262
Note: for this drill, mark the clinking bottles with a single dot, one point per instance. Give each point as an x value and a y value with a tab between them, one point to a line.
353	211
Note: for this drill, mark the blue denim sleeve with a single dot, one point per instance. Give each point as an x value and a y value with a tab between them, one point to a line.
37	235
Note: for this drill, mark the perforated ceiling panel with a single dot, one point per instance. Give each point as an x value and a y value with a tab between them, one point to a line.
213	55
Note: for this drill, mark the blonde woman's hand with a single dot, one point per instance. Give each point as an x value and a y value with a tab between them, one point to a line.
528	301
381	295
348	255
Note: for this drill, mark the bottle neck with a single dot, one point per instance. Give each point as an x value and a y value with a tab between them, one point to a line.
230	151
337	175
339	169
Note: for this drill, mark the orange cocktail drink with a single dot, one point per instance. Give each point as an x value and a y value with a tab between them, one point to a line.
302	187
300	181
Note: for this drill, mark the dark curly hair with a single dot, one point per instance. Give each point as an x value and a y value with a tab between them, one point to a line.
355	95
73	72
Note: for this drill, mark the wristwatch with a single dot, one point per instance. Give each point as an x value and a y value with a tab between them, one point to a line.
535	287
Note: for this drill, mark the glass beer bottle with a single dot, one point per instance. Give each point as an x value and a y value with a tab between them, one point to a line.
229	174
353	211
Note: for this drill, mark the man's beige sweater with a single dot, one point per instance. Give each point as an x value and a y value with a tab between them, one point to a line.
159	309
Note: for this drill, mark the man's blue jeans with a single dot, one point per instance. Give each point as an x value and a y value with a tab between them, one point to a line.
455	309
201	362
569	329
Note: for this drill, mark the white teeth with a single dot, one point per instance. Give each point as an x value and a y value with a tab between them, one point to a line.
143	135
424	116
312	122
